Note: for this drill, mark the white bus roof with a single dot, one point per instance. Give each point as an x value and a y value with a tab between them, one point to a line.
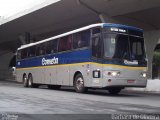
61	35
75	31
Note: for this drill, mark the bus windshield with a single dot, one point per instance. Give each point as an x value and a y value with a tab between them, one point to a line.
121	46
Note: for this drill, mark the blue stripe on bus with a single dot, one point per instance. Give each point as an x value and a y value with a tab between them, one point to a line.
72	57
122	26
63	58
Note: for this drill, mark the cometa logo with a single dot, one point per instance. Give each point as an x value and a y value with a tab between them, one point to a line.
52	61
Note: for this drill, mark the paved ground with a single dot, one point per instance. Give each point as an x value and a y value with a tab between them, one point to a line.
14	99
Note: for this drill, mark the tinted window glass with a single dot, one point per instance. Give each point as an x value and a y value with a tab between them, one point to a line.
24	53
51	47
81	39
65	43
109	45
96	30
31	51
137	48
40	49
122	47
96	47
18	55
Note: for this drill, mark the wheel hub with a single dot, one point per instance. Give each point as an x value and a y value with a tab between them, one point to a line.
79	83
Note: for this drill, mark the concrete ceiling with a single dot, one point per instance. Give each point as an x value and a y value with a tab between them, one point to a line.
70	14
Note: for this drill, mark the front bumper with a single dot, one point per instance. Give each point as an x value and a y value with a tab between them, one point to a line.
125	82
119	82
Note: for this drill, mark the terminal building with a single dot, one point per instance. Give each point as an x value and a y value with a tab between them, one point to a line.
55	17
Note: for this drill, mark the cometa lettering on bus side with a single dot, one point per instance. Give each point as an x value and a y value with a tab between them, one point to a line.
52	61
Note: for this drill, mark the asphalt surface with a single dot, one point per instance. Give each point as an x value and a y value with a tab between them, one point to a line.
43	103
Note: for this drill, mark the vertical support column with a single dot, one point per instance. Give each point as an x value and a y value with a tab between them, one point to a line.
103	17
107	19
24	38
151	40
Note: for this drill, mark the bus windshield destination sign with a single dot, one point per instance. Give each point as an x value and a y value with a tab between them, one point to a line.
118	30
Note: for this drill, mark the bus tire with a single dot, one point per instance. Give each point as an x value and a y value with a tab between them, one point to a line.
54	87
79	84
25	80
114	91
30	81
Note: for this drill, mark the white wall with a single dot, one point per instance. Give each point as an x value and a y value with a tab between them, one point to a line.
152	86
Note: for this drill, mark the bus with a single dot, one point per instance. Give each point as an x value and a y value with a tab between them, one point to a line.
99	56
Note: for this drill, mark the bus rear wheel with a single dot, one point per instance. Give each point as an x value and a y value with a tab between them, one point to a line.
54	87
25	81
114	91
79	84
30	81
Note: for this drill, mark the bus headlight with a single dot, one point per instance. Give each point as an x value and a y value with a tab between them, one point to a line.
113	73
144	74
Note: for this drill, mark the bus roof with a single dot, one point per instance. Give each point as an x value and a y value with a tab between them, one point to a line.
78	30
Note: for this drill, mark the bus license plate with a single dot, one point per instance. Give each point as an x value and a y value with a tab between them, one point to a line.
130	81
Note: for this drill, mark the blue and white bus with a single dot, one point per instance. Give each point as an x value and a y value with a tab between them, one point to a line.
104	55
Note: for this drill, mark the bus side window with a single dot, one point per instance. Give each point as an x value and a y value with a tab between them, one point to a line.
48	48
19	55
65	43
37	50
24	53
81	39
96	47
51	47
54	46
31	51
40	49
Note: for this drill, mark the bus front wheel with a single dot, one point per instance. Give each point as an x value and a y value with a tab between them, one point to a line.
79	84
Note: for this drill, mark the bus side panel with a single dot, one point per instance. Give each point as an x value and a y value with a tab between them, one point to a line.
82	68
63	75
38	75
51	76
19	75
47	75
96	82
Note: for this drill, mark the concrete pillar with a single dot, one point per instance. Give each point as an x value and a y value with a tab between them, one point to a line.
24	38
151	40
104	18
5	73
107	19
